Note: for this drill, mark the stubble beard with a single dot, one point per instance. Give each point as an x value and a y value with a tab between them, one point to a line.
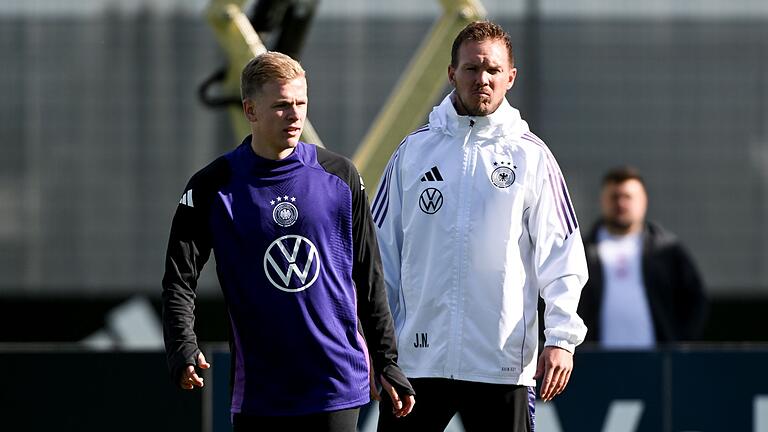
483	109
617	226
482	106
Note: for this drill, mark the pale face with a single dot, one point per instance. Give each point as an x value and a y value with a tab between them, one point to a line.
624	206
482	76
277	117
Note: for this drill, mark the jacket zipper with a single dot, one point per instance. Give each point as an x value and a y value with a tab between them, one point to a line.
462	233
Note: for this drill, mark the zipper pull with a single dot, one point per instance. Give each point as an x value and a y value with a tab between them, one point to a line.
471	122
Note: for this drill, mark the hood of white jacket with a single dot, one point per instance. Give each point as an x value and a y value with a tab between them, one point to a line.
505	121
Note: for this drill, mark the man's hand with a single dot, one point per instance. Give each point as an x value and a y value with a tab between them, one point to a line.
400	408
190	379
555	366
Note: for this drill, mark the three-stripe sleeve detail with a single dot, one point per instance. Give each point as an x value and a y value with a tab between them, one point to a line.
560	194
381	201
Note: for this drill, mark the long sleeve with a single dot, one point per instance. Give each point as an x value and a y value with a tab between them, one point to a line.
559	264
374	311
189	247
188	250
692	296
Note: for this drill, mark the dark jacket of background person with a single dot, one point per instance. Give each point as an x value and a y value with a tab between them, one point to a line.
673	287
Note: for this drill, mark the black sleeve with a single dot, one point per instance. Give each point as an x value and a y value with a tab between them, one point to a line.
691	301
590	302
372	305
189	247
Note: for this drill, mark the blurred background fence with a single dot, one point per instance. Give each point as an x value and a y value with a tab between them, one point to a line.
100	128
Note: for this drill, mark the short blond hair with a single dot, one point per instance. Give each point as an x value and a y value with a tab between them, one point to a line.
269	66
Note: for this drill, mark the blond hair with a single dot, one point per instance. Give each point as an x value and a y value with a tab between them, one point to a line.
269	66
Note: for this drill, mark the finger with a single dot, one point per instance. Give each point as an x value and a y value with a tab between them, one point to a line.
546	376
548	384
184	380
196	380
557	377
187	383
566	377
557	385
190	378
397	404
201	363
557	382
408	403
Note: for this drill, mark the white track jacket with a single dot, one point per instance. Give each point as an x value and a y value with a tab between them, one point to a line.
474	224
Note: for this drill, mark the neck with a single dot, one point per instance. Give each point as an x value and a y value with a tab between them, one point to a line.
269	152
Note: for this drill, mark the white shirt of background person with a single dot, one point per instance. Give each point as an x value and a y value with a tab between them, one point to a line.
625	314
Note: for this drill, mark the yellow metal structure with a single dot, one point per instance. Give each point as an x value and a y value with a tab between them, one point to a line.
241	43
417	90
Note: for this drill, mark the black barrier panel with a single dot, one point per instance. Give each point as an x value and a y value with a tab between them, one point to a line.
222	391
604	382
85	391
702	390
720	391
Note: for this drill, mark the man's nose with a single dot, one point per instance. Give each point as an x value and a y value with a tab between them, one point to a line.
483	78
293	112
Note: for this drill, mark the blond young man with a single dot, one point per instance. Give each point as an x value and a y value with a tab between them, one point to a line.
299	267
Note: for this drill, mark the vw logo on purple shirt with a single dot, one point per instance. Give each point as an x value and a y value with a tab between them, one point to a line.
292	263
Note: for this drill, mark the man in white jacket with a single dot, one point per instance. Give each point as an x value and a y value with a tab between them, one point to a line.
474	224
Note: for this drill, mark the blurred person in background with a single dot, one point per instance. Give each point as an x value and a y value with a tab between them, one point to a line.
644	288
475	223
299	267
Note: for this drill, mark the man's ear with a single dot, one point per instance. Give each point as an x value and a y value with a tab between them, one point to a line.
250	110
451	77
512	76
